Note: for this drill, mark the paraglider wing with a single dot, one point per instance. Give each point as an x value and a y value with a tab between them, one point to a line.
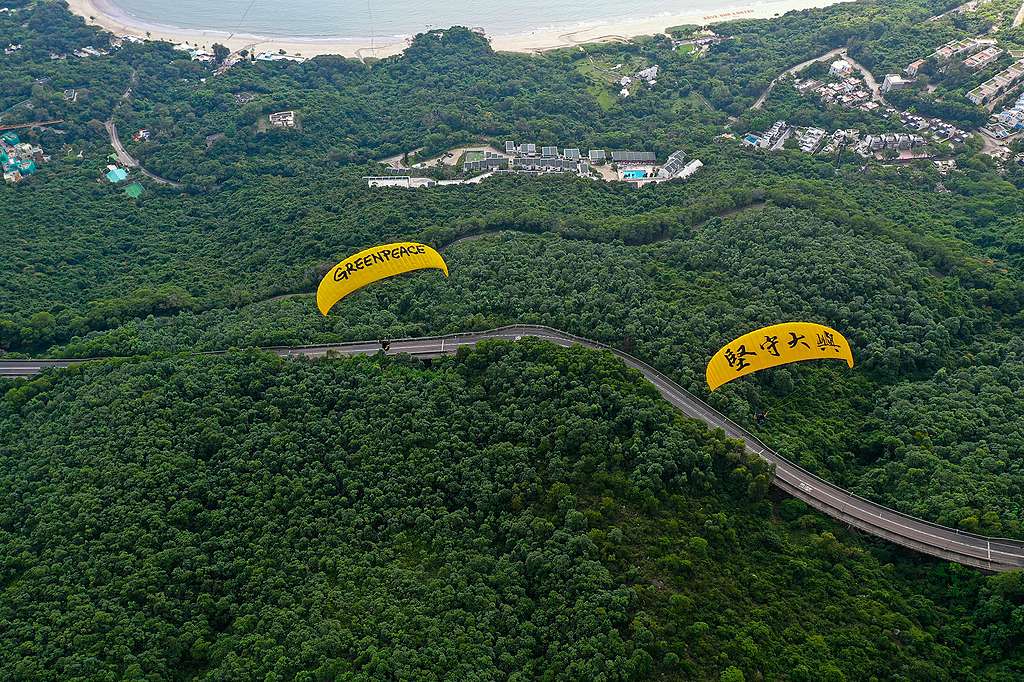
778	344
369	265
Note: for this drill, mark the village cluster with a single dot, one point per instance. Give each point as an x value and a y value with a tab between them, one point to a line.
116	43
639	168
1009	120
201	54
980	53
935	128
648	75
847	91
19	158
632	167
844	88
817	140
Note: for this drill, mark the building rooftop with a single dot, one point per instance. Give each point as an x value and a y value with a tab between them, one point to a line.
634	157
117	175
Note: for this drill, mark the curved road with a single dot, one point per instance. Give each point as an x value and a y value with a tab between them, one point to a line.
129	161
759	102
989	554
869	79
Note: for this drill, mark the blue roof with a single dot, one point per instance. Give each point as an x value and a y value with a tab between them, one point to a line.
117	175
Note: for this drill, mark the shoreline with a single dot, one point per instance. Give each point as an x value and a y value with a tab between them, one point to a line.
106	16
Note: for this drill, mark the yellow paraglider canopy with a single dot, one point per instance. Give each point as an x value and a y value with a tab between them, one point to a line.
367	266
778	344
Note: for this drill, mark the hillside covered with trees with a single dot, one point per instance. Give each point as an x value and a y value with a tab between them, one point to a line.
521	512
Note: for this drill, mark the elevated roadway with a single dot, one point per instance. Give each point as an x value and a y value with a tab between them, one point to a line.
985	553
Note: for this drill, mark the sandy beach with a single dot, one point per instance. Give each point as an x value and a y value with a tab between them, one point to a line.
101	13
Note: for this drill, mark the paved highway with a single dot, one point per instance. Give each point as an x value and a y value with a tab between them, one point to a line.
990	554
129	161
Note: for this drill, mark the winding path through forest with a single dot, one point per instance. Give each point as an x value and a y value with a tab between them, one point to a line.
989	554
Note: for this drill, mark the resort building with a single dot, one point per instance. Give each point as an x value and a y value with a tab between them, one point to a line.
982	59
673	165
994	86
528	164
676	167
690	168
914	67
402	181
633	157
958	47
115	175
490	162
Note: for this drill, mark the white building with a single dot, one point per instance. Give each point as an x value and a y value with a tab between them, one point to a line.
840	67
388	181
809	139
894	81
402	181
283	119
914	67
650	74
690	168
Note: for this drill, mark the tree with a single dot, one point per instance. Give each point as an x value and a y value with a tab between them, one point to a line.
220	53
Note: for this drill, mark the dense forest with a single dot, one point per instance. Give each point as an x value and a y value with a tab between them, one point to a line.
521	512
676	301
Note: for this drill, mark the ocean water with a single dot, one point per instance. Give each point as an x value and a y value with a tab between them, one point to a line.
359	19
